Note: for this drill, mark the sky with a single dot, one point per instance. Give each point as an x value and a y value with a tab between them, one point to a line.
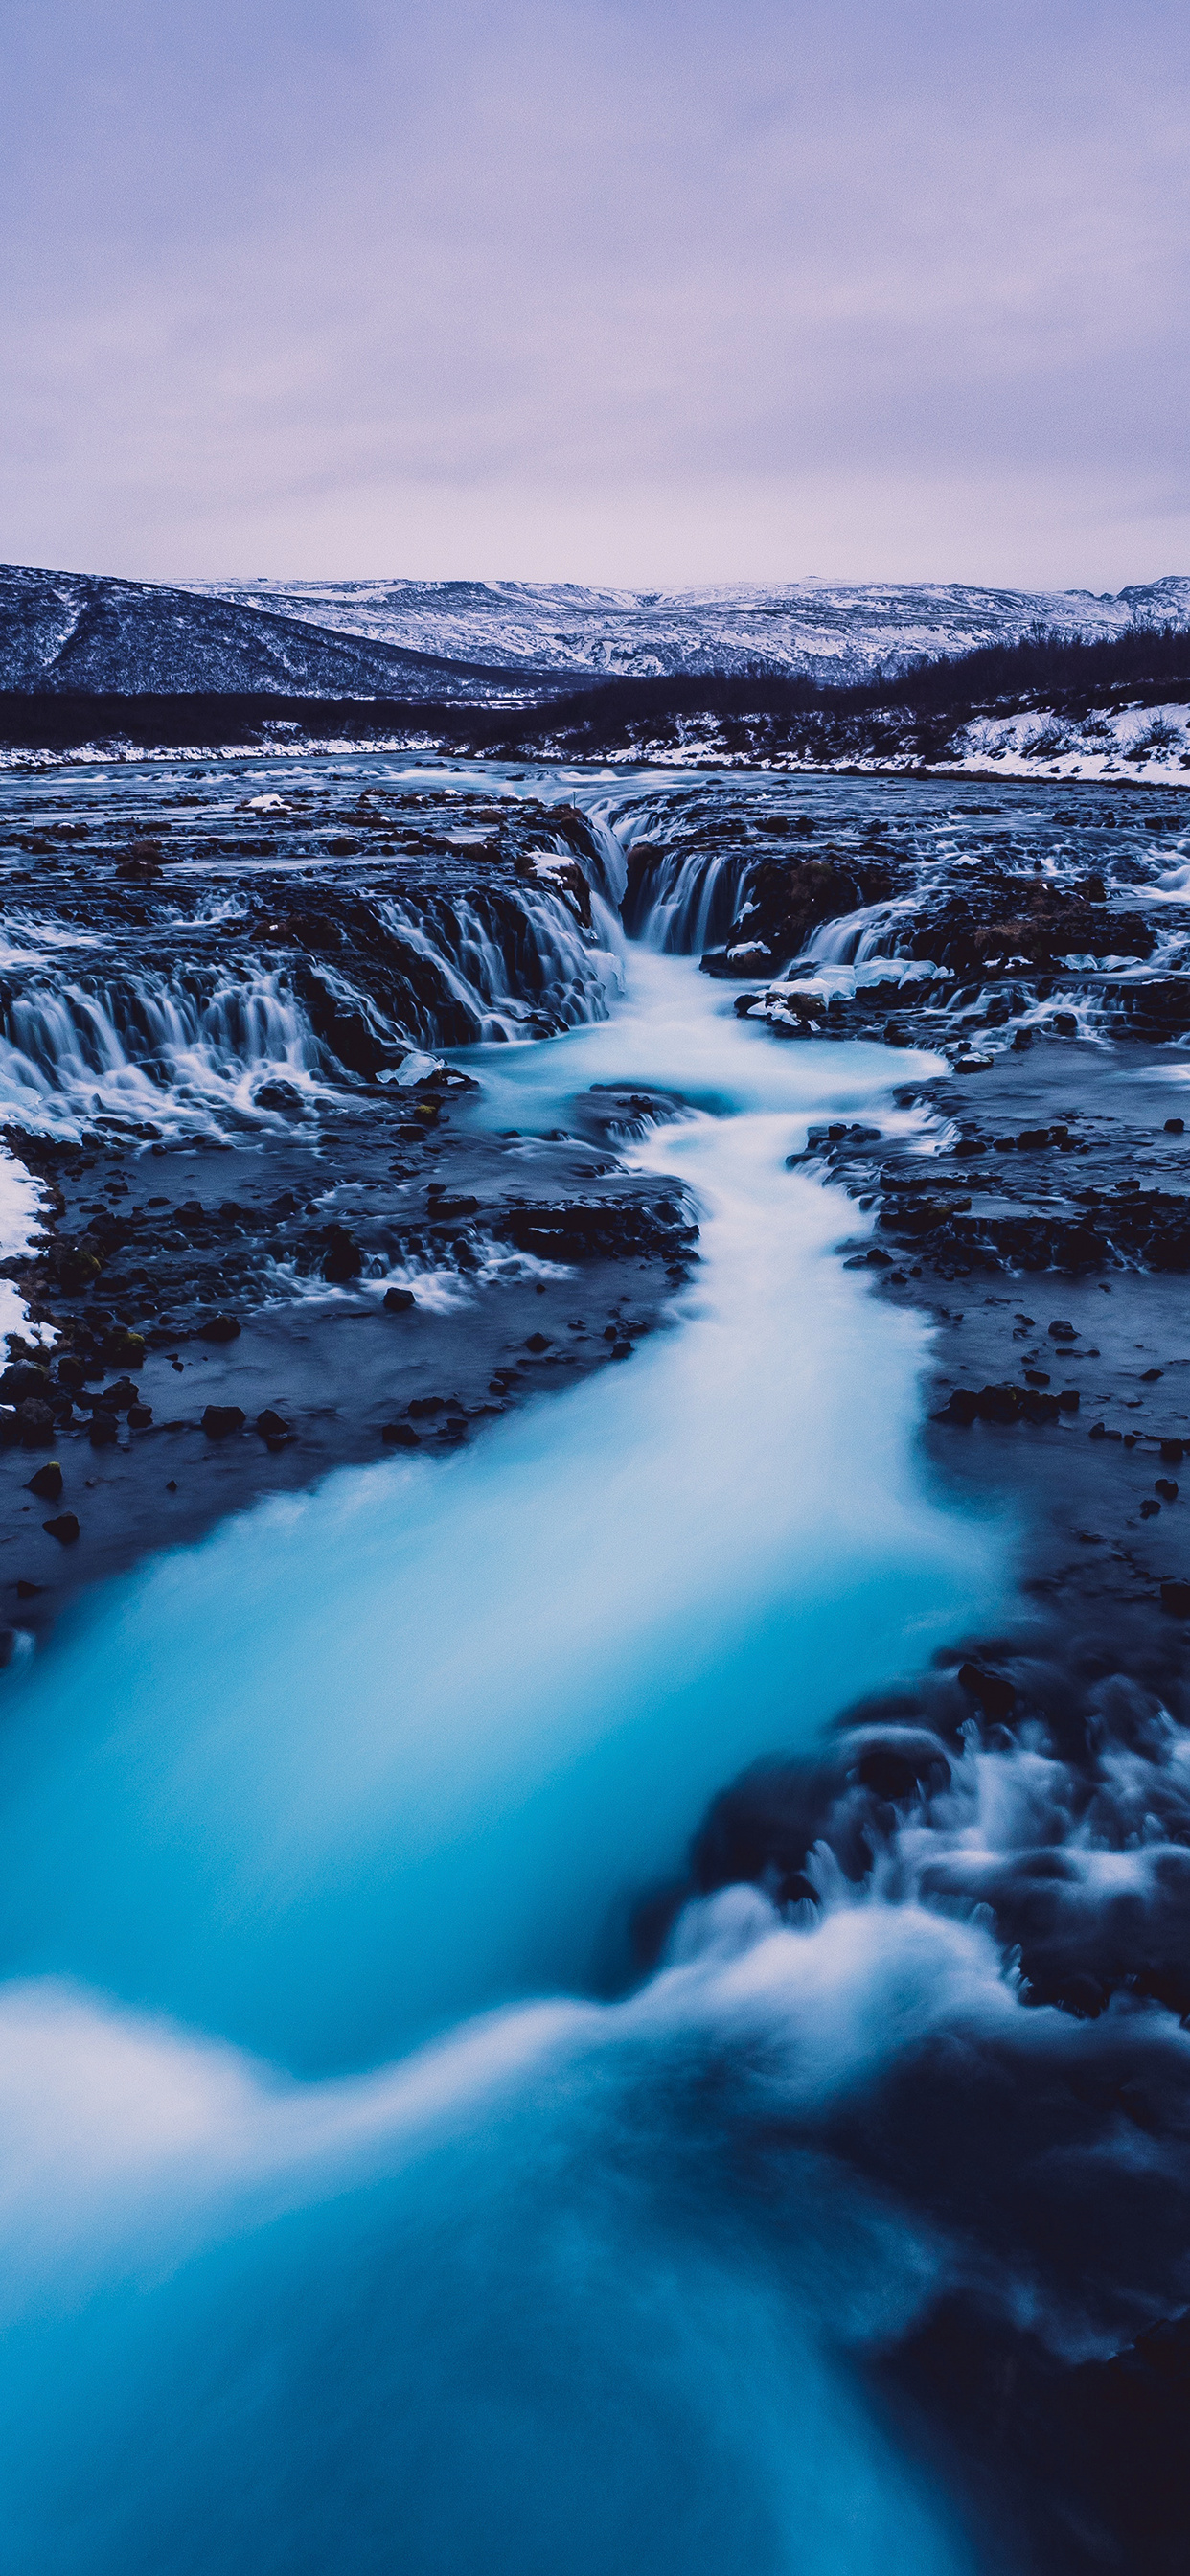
652	295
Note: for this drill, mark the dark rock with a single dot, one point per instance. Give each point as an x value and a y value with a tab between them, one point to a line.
272	1426
1063	1332
343	1259
139	1416
220	1328
990	1691
1175	1126
398	1301
23	1378
77	1267
1175	1597
220	1419
47	1483
105	1429
124	1349
423	1405
400	1435
537	1342
36	1422
119	1397
65	1528
1166	1488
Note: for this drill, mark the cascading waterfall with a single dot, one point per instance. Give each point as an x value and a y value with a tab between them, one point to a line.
152	1047
186	1047
688	900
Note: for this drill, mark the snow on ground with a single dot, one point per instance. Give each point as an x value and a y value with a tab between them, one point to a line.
1148	745
20	1221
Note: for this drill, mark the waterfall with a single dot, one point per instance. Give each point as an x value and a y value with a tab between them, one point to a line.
686	901
187	1046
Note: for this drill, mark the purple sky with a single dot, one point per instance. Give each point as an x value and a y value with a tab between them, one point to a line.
639	294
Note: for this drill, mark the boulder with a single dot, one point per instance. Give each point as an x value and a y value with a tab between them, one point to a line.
219	1420
22	1378
220	1328
47	1482
36	1421
343	1259
65	1528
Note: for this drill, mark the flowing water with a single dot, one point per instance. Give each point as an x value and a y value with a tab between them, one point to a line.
357	2214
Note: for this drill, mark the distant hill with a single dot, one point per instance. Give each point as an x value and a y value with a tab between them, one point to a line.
82	634
824	631
510	643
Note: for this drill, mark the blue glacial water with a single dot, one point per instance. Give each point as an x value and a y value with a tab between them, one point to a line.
348	2224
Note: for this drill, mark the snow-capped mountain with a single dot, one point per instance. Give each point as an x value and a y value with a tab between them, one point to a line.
832	632
82	632
434	641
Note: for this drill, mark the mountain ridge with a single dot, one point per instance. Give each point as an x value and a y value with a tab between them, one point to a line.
505	641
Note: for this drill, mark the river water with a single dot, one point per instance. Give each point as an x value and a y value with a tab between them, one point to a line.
357	2214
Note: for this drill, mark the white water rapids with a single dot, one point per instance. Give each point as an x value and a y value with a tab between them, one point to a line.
362	1767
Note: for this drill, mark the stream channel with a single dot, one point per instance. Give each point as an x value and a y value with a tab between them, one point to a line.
358	2211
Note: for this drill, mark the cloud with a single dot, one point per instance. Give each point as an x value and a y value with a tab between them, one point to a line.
655	293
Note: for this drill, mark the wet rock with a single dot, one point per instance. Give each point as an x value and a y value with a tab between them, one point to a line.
104	1430
399	1301
537	1342
47	1483
139	1416
1175	1597
23	1378
119	1397
64	1528
124	1349
992	1692
273	1426
219	1420
400	1435
220	1328
36	1422
343	1259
